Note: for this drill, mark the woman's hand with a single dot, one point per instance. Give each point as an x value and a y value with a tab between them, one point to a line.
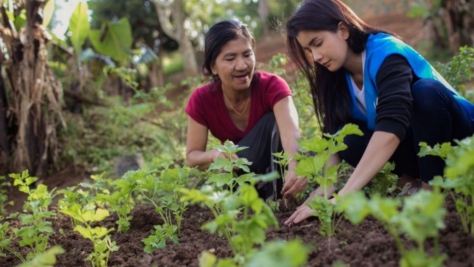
293	185
215	154
304	211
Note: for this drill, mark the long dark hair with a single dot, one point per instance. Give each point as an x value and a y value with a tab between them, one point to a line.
331	97
219	35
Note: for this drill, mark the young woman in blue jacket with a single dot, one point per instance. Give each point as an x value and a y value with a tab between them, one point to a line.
364	75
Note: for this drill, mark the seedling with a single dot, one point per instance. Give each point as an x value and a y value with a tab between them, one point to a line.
99	236
459	176
421	218
241	217
35	222
314	168
227	168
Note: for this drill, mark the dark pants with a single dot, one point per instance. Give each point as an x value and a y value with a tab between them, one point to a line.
437	118
262	141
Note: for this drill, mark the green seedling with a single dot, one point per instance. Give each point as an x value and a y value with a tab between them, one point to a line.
281	254
282	159
36	219
4	184
227	168
6	239
45	259
86	217
162	191
241	217
459	176
314	168
384	183
421	218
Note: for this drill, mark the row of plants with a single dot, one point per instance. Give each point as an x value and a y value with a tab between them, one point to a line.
240	216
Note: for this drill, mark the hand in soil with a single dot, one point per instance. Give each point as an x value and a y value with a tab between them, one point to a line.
303	212
293	184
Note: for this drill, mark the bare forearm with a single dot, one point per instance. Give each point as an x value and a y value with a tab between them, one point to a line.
200	159
381	147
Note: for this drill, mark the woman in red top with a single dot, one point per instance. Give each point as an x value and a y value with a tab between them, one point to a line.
249	108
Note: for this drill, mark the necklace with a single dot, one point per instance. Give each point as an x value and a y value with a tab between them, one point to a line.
230	104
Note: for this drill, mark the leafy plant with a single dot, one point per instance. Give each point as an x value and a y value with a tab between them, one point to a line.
163	193
421	218
35	222
3	194
281	254
227	168
86	217
459	176
313	166
458	70
241	217
384	183
45	259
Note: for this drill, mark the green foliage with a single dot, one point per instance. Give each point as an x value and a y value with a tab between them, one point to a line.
226	168
241	217
86	217
420	218
384	182
281	254
35	223
79	26
459	176
173	63
157	240
46	259
4	184
312	166
114	39
459	69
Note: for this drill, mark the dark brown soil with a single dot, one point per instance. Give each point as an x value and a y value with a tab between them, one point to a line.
365	245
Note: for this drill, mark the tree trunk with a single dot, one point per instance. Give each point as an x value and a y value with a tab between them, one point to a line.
36	95
4	145
458	18
156	73
174	12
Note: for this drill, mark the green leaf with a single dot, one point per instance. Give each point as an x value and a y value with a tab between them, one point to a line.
114	40
79	26
281	254
46	259
207	259
48	12
86	233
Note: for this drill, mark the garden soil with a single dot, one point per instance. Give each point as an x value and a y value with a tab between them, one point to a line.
365	245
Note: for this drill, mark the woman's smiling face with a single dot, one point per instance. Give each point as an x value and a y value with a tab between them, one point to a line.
326	48
235	64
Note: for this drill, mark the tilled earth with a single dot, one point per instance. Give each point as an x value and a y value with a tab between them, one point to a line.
367	244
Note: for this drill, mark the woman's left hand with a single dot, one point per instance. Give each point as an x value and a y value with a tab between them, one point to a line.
302	213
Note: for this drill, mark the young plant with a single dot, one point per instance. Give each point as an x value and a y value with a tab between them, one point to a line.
421	218
241	217
85	218
384	183
459	176
227	167
313	167
163	193
3	194
35	222
6	239
45	259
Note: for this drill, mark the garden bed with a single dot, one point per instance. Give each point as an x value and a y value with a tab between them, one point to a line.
365	245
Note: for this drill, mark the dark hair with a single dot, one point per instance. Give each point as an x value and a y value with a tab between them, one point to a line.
329	89
219	35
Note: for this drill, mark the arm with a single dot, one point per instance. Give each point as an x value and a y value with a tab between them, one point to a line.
196	141
287	121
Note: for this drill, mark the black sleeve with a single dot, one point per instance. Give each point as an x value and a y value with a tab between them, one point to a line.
395	102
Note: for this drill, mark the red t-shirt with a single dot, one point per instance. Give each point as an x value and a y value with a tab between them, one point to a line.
206	105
